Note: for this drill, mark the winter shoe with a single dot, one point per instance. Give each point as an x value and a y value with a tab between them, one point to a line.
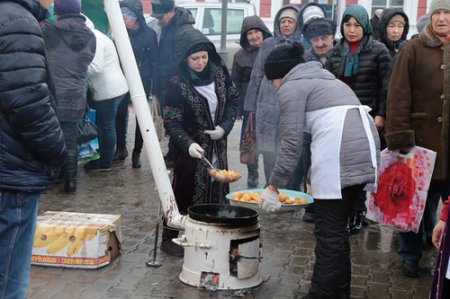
410	268
94	166
70	186
136	160
120	154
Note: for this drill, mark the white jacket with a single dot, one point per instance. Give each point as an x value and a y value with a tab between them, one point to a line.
105	77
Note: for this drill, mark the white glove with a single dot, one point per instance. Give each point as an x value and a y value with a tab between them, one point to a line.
215	134
196	151
268	201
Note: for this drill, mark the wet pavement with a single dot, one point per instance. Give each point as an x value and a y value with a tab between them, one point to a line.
288	246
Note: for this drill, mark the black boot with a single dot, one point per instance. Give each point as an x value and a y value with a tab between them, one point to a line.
252	179
168	246
70	172
136	160
120	154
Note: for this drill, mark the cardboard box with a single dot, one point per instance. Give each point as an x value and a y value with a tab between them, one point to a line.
76	240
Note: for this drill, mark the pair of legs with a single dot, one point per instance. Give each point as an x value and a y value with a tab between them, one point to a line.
18	213
71	163
332	269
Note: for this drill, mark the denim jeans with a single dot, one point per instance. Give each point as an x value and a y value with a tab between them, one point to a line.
410	244
122	122
106	126
18	213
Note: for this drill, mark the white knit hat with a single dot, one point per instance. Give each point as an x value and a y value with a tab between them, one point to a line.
311	12
439	4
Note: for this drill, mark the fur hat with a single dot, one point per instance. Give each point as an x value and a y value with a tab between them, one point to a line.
63	7
283	59
161	7
438	4
318	27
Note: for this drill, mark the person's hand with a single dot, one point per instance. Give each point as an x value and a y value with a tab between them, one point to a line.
196	151
215	134
268	200
437	233
379	122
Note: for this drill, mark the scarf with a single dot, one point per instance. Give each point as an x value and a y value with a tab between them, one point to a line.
204	77
351	59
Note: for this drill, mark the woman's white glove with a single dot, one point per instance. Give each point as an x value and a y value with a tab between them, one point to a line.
196	151
215	134
268	200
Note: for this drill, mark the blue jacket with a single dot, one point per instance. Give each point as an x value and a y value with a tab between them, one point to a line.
31	140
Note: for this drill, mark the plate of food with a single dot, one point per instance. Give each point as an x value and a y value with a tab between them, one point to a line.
290	199
223	175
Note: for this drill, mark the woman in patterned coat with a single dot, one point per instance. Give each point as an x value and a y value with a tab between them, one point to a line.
200	106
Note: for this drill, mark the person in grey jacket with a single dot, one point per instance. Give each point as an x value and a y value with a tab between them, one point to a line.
345	151
261	98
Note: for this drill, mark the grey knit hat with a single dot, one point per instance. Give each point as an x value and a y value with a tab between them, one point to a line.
439	4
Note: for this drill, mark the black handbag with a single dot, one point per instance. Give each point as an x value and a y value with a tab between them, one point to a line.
86	130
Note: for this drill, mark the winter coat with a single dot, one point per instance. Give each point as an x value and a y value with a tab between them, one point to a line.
387	15
187	116
31	140
70	49
105	76
170	52
307	88
374	61
261	95
145	46
418	99
243	59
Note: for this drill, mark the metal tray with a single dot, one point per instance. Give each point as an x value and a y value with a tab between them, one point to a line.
284	207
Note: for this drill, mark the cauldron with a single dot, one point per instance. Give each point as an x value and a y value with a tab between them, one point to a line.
231	216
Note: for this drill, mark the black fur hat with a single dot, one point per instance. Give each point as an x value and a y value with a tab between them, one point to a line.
318	27
283	59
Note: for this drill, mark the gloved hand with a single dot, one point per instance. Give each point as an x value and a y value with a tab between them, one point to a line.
268	200
196	151
215	134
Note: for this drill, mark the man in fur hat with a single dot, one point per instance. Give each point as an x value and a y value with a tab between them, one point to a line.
418	113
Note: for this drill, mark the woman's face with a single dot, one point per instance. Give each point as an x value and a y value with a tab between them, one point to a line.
395	29
198	61
255	37
129	22
353	31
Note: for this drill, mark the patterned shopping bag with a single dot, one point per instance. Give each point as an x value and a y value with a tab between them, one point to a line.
403	182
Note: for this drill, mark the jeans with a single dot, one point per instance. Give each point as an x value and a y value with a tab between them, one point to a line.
332	270
122	122
18	213
410	244
106	118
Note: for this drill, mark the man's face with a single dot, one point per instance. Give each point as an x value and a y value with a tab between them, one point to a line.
440	22
165	19
287	26
395	30
322	44
255	38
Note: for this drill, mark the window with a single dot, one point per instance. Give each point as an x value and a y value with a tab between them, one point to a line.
212	21
376	4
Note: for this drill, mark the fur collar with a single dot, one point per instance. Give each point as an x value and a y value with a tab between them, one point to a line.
428	38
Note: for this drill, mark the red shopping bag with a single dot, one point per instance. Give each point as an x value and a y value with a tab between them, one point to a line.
403	182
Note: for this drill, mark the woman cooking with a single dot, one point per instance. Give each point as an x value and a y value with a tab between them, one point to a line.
200	106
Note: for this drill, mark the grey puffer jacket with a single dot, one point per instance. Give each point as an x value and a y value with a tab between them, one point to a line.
308	87
261	95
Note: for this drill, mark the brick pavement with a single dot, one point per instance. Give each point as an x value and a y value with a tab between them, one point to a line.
288	243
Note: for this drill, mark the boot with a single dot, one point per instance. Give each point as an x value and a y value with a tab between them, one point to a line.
120	154
136	160
70	172
252	179
168	246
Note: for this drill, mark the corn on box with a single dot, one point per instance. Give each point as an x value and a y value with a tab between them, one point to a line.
76	240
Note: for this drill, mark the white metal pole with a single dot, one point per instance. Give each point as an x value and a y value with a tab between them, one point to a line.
142	110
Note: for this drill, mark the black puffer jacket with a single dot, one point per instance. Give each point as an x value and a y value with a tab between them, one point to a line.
70	49
31	140
170	53
374	61
144	44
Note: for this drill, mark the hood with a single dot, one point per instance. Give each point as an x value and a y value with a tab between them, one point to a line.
73	31
195	37
252	22
297	36
136	7
182	16
388	13
360	14
34	7
308	70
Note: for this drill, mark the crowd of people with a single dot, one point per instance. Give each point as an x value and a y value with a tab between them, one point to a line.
322	109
